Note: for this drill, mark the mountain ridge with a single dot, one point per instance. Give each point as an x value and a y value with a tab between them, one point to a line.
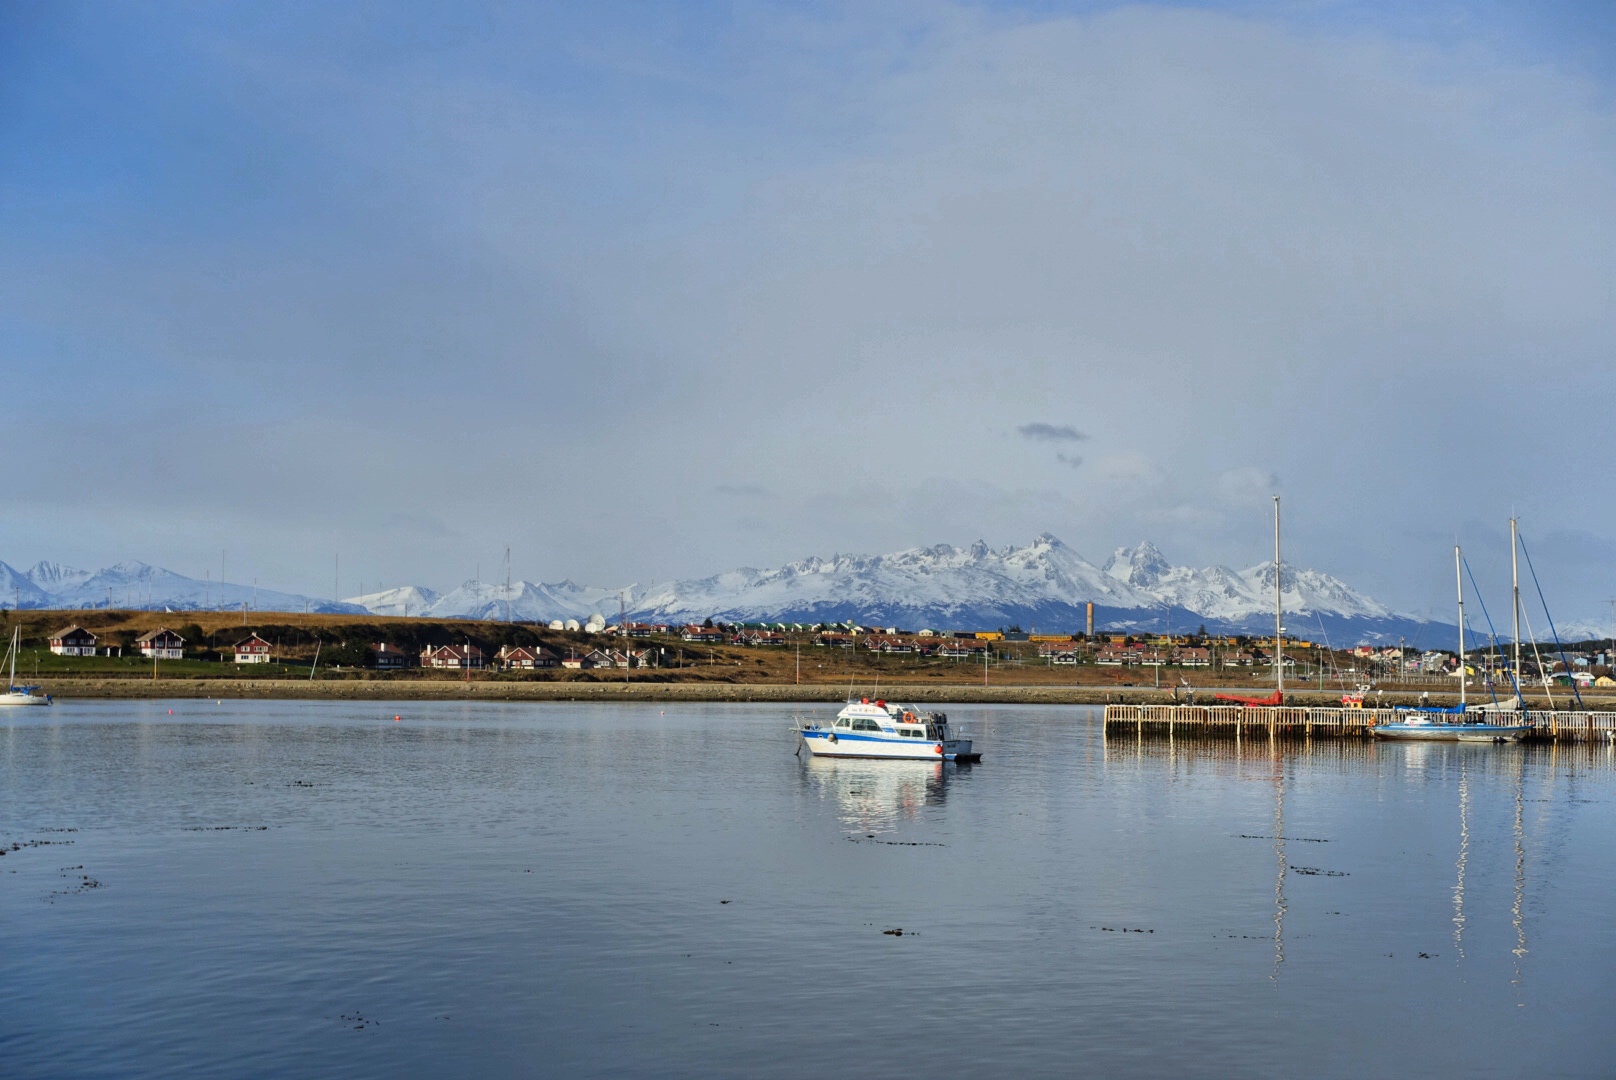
1043	584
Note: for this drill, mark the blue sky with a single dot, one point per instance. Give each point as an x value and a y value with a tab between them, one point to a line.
652	290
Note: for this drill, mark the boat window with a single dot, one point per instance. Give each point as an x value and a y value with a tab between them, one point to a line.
842	722
864	723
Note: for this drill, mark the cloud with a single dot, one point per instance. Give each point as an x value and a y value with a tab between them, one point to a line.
1245	486
1050	433
743	491
793	243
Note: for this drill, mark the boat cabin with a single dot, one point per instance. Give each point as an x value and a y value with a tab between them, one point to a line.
879	717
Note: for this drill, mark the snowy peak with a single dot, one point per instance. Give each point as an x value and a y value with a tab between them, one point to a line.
1143	566
54	577
405	600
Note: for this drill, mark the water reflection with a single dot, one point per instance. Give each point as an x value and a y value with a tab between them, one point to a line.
873	796
1528	793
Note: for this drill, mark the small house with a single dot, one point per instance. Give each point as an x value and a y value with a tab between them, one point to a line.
74	641
255	650
526	658
161	644
387	657
454	657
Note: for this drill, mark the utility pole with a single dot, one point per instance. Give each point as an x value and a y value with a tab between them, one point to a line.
507	583
336	578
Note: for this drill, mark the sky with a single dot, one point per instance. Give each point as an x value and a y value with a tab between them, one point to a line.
654	290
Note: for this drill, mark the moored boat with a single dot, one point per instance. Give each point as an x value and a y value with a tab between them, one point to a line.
19	695
1427	726
881	729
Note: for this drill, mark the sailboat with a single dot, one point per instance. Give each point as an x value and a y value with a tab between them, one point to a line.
1464	722
19	695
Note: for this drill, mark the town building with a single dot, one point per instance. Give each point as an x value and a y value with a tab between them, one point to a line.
386	657
526	658
161	644
457	657
255	650
74	641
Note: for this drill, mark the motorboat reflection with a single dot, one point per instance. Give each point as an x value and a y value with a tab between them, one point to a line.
870	795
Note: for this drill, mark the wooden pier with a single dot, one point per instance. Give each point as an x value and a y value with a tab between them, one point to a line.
1239	721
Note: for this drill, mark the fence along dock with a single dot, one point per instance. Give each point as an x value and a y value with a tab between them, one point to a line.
1242	721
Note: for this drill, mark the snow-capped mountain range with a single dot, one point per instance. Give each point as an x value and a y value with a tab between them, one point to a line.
140	586
1043	585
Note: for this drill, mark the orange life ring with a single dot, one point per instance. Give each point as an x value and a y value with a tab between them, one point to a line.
938	748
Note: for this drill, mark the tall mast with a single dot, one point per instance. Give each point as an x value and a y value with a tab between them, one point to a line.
1458	580
1515	593
1279	628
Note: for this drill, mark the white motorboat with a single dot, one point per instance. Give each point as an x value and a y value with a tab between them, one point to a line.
881	729
14	694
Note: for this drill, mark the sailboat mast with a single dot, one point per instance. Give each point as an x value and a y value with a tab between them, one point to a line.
1458	580
1279	628
1515	591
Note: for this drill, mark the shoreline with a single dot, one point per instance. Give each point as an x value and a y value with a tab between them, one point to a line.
454	690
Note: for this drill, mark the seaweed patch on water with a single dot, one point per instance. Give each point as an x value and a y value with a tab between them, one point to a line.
82	883
870	839
1297	839
360	1023
1314	871
1122	929
226	828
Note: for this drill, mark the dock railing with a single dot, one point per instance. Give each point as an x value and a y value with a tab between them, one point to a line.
1239	721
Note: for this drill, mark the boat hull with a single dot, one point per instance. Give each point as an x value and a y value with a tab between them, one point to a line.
1452	732
13	699
840	745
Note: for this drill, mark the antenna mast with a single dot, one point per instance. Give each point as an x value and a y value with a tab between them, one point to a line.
1515	595
1279	627
1458	579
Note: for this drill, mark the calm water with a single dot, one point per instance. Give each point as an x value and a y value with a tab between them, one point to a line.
311	889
